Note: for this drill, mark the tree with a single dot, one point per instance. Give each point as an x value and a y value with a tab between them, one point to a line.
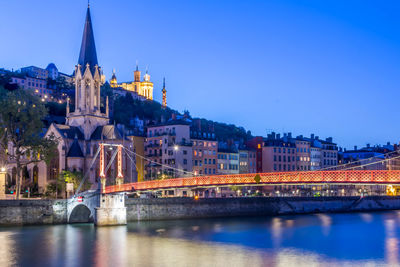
74	177
257	178
21	125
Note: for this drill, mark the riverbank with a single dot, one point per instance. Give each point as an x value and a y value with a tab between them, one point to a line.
41	212
187	208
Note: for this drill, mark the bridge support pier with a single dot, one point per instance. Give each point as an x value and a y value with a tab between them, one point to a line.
111	211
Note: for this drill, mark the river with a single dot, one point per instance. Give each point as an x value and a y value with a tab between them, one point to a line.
352	239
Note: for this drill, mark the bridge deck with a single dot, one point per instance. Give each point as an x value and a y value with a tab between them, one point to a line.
272	178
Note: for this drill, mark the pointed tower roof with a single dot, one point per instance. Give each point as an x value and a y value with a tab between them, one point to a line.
164	89
88	53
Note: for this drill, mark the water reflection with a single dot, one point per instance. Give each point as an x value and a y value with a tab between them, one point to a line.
391	243
309	240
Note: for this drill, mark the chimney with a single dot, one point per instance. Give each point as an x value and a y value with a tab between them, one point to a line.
368	145
290	135
329	139
317	137
284	134
355	147
273	135
312	136
388	143
278	136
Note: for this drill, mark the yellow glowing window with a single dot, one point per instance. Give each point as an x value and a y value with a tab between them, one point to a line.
259	146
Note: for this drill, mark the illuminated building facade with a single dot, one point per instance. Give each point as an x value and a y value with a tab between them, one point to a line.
142	87
228	161
204	156
169	150
279	154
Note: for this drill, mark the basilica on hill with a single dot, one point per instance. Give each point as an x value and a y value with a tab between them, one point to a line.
86	126
143	88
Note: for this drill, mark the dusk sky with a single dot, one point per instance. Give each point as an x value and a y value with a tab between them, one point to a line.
326	67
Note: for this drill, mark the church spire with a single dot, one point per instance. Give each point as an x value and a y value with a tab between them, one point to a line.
88	53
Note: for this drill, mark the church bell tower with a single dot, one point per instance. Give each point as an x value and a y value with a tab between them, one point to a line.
87	79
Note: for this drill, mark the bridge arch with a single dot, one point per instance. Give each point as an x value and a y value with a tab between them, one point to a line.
80	214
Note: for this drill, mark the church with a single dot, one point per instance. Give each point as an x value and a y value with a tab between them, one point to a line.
142	88
86	126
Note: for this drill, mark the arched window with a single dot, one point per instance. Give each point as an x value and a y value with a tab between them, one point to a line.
53	168
13	176
35	176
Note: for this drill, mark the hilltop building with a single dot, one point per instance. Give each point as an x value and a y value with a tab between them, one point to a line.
142	87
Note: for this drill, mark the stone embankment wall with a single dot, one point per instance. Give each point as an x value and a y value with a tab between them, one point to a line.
24	212
185	208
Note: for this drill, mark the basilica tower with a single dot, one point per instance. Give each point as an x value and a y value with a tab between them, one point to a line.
87	79
164	95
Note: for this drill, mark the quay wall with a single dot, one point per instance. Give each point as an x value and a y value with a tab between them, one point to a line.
25	212
188	208
41	212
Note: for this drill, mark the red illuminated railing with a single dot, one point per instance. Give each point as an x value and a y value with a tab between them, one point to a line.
312	177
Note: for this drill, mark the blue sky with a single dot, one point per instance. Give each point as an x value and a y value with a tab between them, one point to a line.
325	67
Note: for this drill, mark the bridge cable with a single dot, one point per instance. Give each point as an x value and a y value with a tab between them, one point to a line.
87	172
161	164
350	163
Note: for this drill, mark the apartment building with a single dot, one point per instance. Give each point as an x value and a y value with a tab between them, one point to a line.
169	150
228	161
279	154
247	161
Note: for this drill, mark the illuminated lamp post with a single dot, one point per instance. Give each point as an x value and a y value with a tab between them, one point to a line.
3	174
102	169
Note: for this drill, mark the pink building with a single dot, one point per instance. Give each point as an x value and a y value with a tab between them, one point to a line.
279	155
204	156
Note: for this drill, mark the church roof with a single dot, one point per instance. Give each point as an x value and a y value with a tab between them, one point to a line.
107	132
75	150
88	53
69	132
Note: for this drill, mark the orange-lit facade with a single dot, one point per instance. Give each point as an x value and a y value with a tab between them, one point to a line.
142	87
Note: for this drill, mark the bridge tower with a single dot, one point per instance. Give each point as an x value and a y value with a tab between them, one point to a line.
111	209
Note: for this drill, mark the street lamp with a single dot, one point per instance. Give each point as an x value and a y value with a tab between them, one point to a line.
176	148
